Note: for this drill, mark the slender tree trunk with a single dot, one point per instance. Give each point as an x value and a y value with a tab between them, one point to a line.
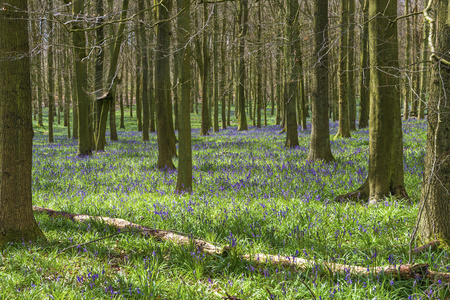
407	79
223	82
99	72
112	82
144	70
50	77
184	177
351	66
424	72
216	70
139	81
344	123
292	68
243	27
162	86
434	221
17	223
320	148
67	90
364	74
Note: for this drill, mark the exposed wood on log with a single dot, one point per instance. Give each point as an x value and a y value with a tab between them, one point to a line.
398	272
431	245
167	235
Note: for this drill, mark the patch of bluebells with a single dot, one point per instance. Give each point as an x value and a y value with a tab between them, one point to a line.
248	189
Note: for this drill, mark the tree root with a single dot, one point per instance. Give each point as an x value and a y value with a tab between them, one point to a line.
167	235
360	194
431	245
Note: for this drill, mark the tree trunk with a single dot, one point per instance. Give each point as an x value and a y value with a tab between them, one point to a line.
85	131
243	27
50	77
184	177
407	76
144	70
17	223
216	69
320	148
291	62
434	222
112	81
351	66
344	124
424	72
223	82
162	86
364	74
385	129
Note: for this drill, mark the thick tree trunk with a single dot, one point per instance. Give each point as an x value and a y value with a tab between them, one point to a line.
162	87
385	129
320	148
434	221
17	223
184	177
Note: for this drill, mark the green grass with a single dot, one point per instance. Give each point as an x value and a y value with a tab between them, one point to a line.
249	192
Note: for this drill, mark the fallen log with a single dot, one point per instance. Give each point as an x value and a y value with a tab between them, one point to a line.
166	235
398	272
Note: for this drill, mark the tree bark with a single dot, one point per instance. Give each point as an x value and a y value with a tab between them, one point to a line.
291	61
344	124
85	130
351	66
184	176
320	148
144	70
50	77
17	223
162	86
364	74
434	221
243	27
385	129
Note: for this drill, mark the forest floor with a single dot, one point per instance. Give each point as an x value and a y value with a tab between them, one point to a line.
250	194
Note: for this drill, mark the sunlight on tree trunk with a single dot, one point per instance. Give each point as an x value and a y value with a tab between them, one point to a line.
17	223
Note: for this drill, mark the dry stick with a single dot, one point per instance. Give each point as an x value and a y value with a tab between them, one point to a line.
169	235
402	271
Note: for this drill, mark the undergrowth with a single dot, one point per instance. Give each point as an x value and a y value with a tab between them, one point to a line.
249	193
